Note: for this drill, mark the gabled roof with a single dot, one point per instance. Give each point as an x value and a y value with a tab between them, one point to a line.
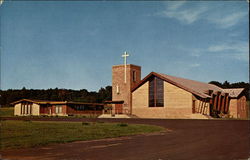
52	102
234	92
39	101
195	87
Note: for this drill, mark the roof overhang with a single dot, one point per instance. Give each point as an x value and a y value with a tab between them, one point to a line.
113	102
54	102
202	95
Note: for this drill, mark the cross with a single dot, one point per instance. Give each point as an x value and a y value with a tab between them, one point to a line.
125	55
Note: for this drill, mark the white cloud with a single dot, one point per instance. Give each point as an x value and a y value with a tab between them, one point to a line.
175	5
237	50
228	20
224	16
218	48
195	65
185	15
196	52
187	64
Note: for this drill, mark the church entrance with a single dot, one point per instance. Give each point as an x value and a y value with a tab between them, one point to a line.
118	108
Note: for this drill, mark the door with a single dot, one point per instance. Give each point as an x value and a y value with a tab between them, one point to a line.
118	108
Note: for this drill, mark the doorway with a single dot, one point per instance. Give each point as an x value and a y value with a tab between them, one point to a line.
118	108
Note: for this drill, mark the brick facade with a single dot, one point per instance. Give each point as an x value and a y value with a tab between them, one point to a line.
177	103
238	107
121	91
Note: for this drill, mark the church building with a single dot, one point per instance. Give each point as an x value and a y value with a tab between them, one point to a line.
163	96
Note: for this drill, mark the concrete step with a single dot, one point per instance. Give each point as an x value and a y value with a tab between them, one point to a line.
114	116
200	116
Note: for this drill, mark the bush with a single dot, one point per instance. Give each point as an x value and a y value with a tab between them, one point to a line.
85	123
215	114
122	124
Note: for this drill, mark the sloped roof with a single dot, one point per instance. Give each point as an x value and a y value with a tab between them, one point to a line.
52	102
234	92
39	101
195	87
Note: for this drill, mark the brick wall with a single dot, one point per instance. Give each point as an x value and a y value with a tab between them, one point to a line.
72	111
238	107
124	88
233	108
177	103
242	107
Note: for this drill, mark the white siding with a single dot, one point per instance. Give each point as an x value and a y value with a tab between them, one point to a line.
17	109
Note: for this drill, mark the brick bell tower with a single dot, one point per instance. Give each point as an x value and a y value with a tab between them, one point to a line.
124	78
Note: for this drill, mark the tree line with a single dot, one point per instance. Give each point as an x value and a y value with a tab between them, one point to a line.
82	95
227	84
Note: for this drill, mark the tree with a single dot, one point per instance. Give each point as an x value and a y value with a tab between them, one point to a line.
226	84
216	83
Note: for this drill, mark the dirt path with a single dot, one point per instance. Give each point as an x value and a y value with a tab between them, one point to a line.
183	139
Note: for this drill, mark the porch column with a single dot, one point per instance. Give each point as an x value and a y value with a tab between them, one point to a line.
227	104
215	102
218	101
224	103
221	103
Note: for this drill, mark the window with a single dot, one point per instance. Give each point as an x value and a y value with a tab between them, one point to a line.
156	92
27	108
134	76
58	109
117	89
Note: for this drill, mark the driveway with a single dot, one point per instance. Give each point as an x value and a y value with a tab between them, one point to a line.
182	140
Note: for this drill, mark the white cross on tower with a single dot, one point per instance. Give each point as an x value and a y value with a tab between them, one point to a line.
125	55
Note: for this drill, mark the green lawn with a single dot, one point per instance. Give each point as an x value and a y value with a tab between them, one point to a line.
7	112
20	134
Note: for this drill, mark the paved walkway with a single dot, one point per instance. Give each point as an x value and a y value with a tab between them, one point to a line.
183	139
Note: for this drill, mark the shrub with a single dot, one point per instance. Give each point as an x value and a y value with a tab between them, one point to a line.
85	123
122	124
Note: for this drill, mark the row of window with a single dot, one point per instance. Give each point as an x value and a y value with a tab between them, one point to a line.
58	109
86	107
26	108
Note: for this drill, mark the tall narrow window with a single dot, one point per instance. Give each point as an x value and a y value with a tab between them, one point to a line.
117	89
21	108
156	92
31	108
24	105
27	108
134	76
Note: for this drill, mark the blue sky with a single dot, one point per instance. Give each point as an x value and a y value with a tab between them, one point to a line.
73	45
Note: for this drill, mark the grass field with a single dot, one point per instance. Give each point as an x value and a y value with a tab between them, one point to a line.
20	134
7	112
